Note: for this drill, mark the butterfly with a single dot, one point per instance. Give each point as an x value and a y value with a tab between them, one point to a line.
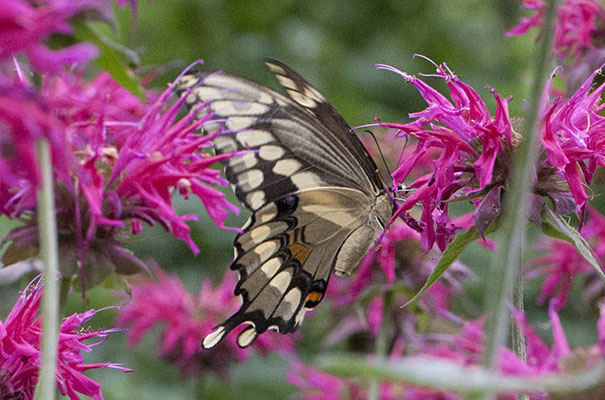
316	198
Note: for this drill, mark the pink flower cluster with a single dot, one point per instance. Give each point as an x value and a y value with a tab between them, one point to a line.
573	134
20	338
574	27
475	148
26	24
464	348
117	160
186	319
471	144
124	157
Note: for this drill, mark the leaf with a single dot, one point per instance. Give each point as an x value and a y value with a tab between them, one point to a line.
557	227
450	255
112	56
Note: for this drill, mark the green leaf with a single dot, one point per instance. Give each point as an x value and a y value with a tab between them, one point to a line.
450	255
556	226
113	57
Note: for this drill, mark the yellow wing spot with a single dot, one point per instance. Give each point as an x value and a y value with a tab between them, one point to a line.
299	252
314	297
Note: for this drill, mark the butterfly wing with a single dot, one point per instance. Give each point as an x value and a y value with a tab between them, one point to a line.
310	183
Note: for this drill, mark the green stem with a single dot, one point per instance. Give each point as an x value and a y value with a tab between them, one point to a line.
517	336
63	292
506	263
381	347
45	389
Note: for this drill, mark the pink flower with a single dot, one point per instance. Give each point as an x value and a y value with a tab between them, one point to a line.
466	349
573	134
117	161
314	384
398	260
20	336
473	146
186	320
25	25
467	346
561	264
129	167
318	385
574	27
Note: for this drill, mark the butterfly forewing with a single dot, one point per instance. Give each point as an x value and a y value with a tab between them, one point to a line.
310	183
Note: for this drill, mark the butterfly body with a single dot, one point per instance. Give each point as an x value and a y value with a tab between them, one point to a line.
314	191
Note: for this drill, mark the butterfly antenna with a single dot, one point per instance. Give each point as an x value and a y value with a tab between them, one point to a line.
379	150
405	144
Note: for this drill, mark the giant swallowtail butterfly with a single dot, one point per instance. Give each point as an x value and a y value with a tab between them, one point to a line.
313	189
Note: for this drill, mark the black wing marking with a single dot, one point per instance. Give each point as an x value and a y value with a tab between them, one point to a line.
308	180
307	96
285	258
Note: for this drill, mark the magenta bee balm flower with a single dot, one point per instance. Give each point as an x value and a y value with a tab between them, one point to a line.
573	135
575	24
20	338
24	25
473	144
186	319
475	151
118	162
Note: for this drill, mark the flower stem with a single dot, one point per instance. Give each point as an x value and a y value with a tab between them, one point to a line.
381	349
517	336
45	389
506	264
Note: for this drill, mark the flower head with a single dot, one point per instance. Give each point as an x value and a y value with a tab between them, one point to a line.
473	148
25	118
20	338
186	320
574	27
573	134
117	161
467	346
26	24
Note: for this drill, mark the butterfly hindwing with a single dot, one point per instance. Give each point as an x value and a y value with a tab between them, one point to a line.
310	183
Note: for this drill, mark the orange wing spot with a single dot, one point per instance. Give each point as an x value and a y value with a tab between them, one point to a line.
299	252
314	297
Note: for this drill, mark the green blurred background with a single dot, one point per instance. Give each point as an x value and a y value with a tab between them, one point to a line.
334	45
